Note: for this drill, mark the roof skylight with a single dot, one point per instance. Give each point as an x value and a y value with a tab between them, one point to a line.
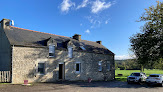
82	47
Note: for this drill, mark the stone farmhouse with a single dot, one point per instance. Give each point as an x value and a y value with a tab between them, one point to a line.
43	57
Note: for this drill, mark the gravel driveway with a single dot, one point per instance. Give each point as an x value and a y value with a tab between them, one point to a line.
112	86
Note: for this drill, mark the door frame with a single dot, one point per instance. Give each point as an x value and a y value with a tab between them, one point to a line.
63	70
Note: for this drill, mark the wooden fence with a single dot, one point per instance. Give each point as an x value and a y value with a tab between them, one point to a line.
5	76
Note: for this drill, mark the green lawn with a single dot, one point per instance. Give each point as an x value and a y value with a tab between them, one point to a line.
5	83
128	72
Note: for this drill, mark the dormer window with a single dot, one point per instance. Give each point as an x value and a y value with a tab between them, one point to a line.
51	50
70	52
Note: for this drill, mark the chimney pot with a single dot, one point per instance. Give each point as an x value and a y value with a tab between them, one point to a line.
99	42
5	23
77	37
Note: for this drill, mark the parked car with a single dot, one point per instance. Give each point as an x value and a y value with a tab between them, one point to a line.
136	77
155	79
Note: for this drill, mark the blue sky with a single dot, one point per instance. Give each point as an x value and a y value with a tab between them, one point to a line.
111	21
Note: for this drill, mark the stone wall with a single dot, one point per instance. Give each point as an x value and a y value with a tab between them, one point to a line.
25	62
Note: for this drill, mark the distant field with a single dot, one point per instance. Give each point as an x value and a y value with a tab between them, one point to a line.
128	72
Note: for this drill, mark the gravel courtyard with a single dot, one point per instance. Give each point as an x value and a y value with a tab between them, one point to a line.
113	86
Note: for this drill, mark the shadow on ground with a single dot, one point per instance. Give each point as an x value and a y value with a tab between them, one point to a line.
104	84
65	86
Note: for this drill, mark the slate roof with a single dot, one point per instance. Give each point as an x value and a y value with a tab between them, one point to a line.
25	37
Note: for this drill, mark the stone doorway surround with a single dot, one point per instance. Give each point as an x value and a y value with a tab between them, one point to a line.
61	75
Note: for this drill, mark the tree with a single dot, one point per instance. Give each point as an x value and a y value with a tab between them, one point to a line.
116	65
148	45
158	65
129	64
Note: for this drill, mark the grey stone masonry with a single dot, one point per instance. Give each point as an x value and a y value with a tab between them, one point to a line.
25	64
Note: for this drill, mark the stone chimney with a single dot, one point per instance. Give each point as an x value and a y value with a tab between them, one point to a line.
99	42
77	37
5	23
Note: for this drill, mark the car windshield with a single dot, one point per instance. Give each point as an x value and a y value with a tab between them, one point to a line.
154	76
135	74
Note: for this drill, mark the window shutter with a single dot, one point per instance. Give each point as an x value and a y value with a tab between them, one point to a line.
75	67
51	48
45	66
36	69
80	67
70	52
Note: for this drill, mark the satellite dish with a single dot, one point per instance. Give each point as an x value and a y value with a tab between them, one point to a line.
12	23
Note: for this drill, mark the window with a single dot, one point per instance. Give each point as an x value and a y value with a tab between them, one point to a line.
135	74
153	75
82	47
60	45
108	67
70	52
51	50
100	65
78	67
41	68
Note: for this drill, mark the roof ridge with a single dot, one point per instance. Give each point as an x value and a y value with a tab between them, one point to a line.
38	31
90	41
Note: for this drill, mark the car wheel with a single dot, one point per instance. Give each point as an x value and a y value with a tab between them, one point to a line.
140	82
148	84
128	82
162	84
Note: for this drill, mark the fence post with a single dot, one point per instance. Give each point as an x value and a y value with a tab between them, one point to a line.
4	76
0	77
9	76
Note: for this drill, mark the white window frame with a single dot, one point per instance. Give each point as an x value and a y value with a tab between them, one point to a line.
70	52
52	50
45	67
100	66
79	67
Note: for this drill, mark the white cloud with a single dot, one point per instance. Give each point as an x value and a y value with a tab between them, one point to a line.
99	6
106	22
95	21
87	31
83	4
66	5
96	5
122	57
